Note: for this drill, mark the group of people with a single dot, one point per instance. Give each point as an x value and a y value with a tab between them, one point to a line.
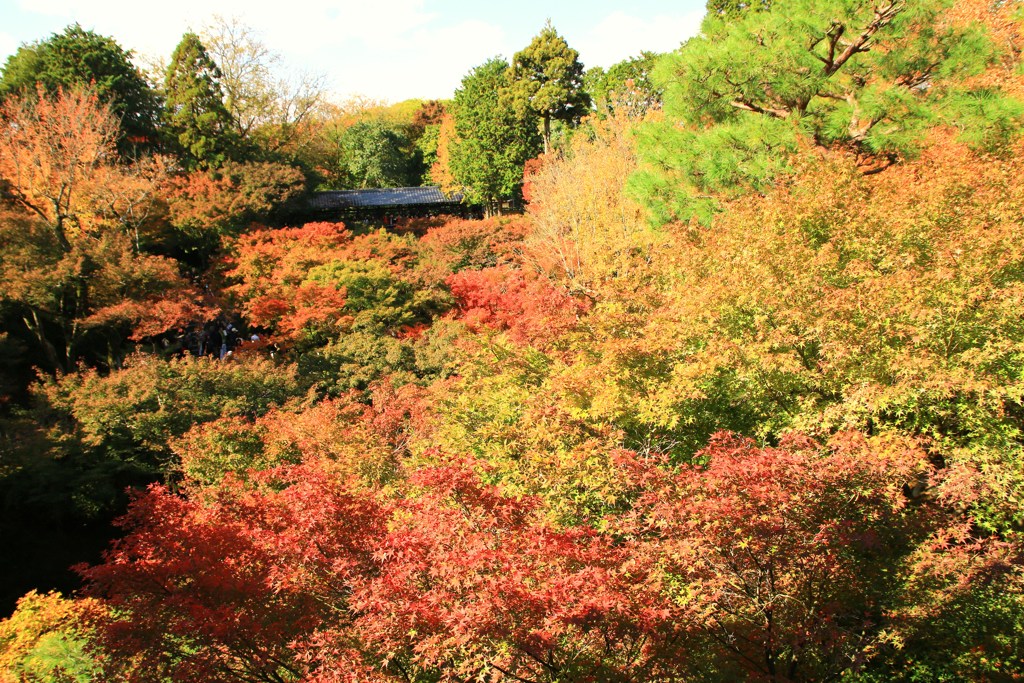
218	339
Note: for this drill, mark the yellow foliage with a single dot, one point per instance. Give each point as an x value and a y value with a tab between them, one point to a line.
585	229
44	640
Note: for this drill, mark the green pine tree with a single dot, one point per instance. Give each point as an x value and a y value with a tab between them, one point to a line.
197	121
547	81
765	80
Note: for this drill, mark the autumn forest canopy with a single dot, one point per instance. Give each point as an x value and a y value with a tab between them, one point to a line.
726	385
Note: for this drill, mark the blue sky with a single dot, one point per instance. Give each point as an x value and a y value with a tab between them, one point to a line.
382	49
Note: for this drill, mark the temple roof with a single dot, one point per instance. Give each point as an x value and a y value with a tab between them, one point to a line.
382	197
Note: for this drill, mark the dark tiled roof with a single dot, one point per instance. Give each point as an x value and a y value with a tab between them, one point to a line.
383	197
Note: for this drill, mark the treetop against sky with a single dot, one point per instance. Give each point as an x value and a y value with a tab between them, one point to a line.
391	49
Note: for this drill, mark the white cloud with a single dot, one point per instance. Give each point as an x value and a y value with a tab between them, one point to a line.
385	49
429	64
620	35
299	27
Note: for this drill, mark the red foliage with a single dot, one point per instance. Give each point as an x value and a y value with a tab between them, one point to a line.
476	584
311	305
198	595
301	573
531	309
252	584
531	168
459	243
419	225
779	563
788	554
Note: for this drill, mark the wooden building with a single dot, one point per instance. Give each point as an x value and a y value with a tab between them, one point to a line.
383	205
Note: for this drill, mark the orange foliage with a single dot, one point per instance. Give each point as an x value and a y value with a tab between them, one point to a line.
58	159
269	271
441	172
1005	27
45	624
51	149
459	243
224	199
531	168
358	442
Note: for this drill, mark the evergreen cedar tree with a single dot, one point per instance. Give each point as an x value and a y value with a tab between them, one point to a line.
780	441
195	118
78	58
493	140
496	136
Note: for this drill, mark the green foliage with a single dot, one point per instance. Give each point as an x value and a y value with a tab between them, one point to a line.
493	141
546	81
368	144
625	87
734	8
382	306
436	353
22	71
374	154
196	120
987	120
355	360
78	58
689	172
427	144
232	445
377	300
757	86
48	640
978	636
58	658
132	413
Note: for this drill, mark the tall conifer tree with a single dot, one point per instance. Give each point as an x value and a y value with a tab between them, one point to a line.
765	80
198	122
547	81
493	141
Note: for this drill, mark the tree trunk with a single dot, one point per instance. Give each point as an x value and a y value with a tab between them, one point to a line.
547	132
35	326
58	228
